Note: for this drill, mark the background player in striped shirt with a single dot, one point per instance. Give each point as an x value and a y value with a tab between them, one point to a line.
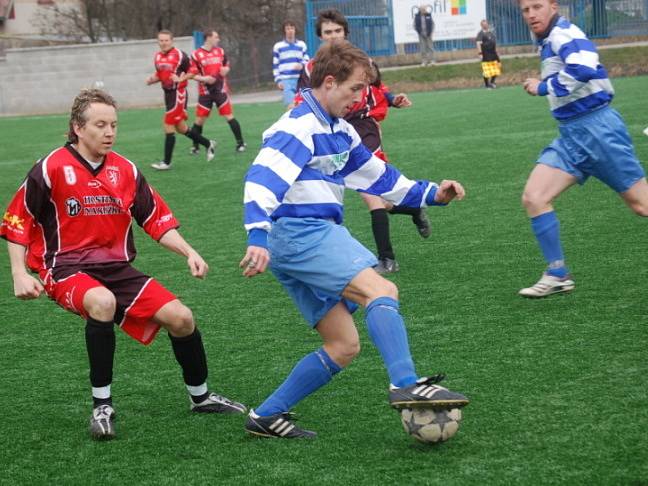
172	72
289	57
294	194
210	67
593	139
71	222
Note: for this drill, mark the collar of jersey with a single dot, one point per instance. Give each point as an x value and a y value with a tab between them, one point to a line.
316	108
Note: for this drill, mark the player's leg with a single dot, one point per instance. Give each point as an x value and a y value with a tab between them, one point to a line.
197	128
312	372
388	333
380	227
637	197
543	186
210	145
189	352
225	110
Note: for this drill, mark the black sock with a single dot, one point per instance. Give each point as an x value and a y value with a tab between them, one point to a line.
190	354
100	344
169	143
96	402
197	138
196	129
486	83
380	228
492	80
236	130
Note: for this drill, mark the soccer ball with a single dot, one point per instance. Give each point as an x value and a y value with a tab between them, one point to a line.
431	426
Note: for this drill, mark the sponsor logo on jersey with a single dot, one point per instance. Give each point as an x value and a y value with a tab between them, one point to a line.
94	183
72	206
13	220
70	175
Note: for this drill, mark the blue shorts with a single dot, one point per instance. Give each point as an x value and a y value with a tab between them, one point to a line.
596	144
315	259
289	90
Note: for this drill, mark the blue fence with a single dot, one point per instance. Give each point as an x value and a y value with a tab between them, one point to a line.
371	22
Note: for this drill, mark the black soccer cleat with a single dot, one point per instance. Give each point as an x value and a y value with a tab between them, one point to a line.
102	423
217	404
387	265
279	425
422	223
425	393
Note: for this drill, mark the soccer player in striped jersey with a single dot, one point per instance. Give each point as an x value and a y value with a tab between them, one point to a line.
172	72
71	223
293	214
289	57
593	139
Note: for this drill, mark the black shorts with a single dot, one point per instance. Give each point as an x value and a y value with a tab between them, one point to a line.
369	132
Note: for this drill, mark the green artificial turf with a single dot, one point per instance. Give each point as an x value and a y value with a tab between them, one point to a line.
558	386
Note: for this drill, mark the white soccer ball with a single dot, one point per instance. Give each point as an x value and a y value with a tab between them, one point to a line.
431	426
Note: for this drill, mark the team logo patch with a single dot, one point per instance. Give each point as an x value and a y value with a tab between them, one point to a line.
72	206
70	175
113	176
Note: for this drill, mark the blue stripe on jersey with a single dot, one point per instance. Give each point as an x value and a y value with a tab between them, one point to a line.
322	210
266	177
253	213
289	146
387	181
327	143
357	158
560	89
582	73
585	105
310	174
415	194
575	46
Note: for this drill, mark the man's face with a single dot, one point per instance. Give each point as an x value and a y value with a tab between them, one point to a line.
97	136
290	32
484	25
342	96
213	39
331	31
165	41
538	13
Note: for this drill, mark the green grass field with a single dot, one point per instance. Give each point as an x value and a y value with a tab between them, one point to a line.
558	386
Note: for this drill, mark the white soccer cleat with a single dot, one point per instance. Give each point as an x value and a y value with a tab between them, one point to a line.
102	423
161	166
211	150
548	285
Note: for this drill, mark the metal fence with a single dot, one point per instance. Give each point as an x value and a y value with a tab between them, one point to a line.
371	22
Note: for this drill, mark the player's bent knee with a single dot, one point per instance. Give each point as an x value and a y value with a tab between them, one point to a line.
641	209
389	289
344	352
100	303
181	322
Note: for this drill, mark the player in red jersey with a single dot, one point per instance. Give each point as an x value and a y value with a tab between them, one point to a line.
172	70
71	222
210	67
364	117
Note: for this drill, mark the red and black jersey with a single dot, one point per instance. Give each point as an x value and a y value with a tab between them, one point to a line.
209	63
67	213
174	61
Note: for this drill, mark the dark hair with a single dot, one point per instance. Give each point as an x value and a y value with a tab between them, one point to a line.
81	104
208	32
334	16
338	59
287	23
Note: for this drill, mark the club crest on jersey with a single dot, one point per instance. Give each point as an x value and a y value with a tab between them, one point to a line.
72	206
113	176
70	175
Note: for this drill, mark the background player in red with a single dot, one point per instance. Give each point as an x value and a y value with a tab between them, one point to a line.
172	72
71	222
364	117
210	67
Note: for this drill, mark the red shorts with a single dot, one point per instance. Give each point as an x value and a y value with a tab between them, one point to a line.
220	99
176	106
138	296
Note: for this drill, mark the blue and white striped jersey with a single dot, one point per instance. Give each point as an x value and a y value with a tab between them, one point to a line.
573	79
307	160
286	56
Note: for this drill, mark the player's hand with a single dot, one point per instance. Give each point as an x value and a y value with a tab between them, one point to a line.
255	261
449	190
197	266
209	79
401	101
151	80
27	287
531	86
280	86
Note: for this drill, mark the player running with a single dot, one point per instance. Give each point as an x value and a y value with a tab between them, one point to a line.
71	223
210	67
593	139
172	72
293	214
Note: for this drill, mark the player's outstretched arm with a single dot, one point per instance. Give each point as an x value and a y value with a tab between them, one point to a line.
25	286
172	240
449	190
152	79
255	261
401	101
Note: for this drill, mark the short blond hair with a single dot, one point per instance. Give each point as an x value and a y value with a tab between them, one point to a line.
81	104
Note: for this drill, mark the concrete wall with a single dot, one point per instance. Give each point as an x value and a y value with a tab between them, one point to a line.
42	80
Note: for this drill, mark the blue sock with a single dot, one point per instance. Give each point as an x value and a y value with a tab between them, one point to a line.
311	373
387	331
546	228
